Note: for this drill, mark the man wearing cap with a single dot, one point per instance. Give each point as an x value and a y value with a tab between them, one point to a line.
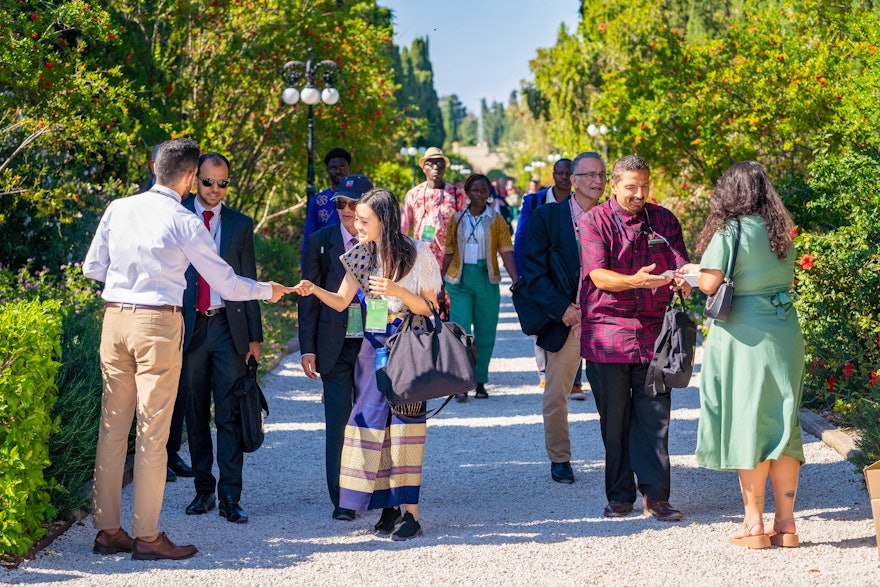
321	211
428	207
329	340
219	337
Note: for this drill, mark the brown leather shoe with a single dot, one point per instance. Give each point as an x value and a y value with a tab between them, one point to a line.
113	543
618	509
662	511
161	548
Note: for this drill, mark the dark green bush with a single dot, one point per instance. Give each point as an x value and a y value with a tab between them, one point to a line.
29	347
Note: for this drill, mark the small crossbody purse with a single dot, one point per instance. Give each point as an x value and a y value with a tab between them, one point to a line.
718	304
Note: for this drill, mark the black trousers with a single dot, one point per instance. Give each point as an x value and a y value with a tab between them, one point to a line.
338	399
635	430
211	366
175	436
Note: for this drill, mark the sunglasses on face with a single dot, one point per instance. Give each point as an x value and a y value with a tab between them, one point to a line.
208	182
341	204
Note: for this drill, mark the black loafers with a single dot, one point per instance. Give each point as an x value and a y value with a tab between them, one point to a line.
181	469
231	510
202	504
561	472
344	514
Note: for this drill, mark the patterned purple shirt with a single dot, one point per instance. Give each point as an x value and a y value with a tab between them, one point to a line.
621	327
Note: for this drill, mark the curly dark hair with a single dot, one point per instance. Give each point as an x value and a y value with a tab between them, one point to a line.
395	248
745	190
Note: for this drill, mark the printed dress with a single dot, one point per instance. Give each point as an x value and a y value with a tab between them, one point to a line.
753	363
382	453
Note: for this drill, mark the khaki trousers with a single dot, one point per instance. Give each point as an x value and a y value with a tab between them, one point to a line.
562	367
141	356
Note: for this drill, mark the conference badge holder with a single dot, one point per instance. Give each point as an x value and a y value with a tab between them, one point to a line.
377	315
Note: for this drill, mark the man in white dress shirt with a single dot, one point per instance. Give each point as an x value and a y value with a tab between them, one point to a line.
141	250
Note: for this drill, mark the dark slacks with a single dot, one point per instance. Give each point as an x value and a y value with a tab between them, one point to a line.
338	399
211	366
635	430
175	435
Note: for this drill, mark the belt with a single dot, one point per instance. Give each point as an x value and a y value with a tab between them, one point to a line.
213	312
135	307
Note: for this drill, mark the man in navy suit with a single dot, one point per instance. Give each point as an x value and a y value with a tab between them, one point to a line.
219	338
327	344
552	267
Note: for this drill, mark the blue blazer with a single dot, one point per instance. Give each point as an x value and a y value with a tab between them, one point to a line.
553	270
237	249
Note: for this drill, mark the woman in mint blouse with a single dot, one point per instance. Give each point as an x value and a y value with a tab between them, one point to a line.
753	363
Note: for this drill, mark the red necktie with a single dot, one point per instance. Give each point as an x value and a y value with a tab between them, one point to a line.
203	294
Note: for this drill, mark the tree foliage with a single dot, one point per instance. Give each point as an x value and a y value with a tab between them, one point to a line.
417	95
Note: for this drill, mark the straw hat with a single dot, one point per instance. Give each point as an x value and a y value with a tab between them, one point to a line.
433	153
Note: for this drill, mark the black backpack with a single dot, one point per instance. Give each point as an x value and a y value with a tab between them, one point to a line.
673	362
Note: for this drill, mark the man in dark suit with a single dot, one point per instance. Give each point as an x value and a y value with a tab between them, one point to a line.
328	339
219	338
552	268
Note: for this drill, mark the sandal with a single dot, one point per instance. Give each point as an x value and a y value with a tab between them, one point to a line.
785	539
480	392
748	539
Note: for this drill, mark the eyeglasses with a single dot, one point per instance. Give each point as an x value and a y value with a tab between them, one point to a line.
208	182
603	177
341	204
435	163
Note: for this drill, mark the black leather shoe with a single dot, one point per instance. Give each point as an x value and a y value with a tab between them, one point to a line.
662	511
202	504
344	514
231	510
391	517
409	529
181	469
561	472
618	509
170	476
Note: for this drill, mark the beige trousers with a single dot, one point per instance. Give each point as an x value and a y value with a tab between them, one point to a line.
140	362
562	367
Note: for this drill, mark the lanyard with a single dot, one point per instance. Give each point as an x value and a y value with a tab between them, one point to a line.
475	224
436	213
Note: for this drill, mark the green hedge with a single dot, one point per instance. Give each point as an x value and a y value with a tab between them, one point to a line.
29	346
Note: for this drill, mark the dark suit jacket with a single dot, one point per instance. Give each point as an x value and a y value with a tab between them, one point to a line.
321	328
237	249
554	273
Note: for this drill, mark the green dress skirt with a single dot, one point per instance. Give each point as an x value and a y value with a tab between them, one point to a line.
753	363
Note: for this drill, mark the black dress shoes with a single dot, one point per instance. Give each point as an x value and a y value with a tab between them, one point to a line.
170	476
561	472
202	504
618	509
231	510
344	514
181	469
662	511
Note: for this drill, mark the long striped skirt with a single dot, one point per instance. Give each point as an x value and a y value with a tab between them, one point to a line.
382	455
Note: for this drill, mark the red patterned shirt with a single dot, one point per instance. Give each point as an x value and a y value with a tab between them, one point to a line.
621	327
425	207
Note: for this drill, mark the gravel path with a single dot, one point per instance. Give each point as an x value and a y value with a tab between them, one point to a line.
490	512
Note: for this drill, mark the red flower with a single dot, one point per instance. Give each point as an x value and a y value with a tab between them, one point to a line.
48	66
873	378
848	370
806	262
34	17
831	381
601	26
793	232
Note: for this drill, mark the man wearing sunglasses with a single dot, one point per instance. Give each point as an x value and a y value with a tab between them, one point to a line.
627	246
333	351
219	338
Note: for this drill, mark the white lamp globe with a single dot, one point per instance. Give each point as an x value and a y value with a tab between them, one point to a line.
412	151
603	129
310	95
290	96
330	96
592	130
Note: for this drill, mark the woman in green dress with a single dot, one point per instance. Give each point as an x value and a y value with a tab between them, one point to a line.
753	362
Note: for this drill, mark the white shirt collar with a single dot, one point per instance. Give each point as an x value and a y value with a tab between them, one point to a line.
199	208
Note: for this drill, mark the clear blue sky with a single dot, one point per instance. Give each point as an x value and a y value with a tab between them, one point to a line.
481	48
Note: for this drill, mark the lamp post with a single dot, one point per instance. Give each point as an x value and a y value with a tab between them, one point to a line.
594	131
411	152
292	72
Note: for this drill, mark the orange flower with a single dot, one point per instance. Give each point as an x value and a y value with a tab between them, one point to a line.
806	262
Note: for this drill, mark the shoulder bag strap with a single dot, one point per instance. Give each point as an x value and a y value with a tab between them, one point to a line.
729	276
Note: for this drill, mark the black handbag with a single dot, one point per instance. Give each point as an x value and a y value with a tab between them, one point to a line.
251	403
533	317
426	364
673	361
718	304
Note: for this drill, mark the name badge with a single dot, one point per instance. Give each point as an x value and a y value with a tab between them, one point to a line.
355	326
377	315
470	253
428	233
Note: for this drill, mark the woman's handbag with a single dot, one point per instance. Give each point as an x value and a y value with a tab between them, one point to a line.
424	365
718	304
251	403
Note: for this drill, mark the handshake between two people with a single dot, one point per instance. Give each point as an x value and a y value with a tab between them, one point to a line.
279	291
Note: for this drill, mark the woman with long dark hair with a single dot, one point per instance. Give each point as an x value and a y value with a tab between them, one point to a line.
753	362
382	455
475	237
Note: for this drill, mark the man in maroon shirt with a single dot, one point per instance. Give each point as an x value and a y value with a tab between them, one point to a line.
629	249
